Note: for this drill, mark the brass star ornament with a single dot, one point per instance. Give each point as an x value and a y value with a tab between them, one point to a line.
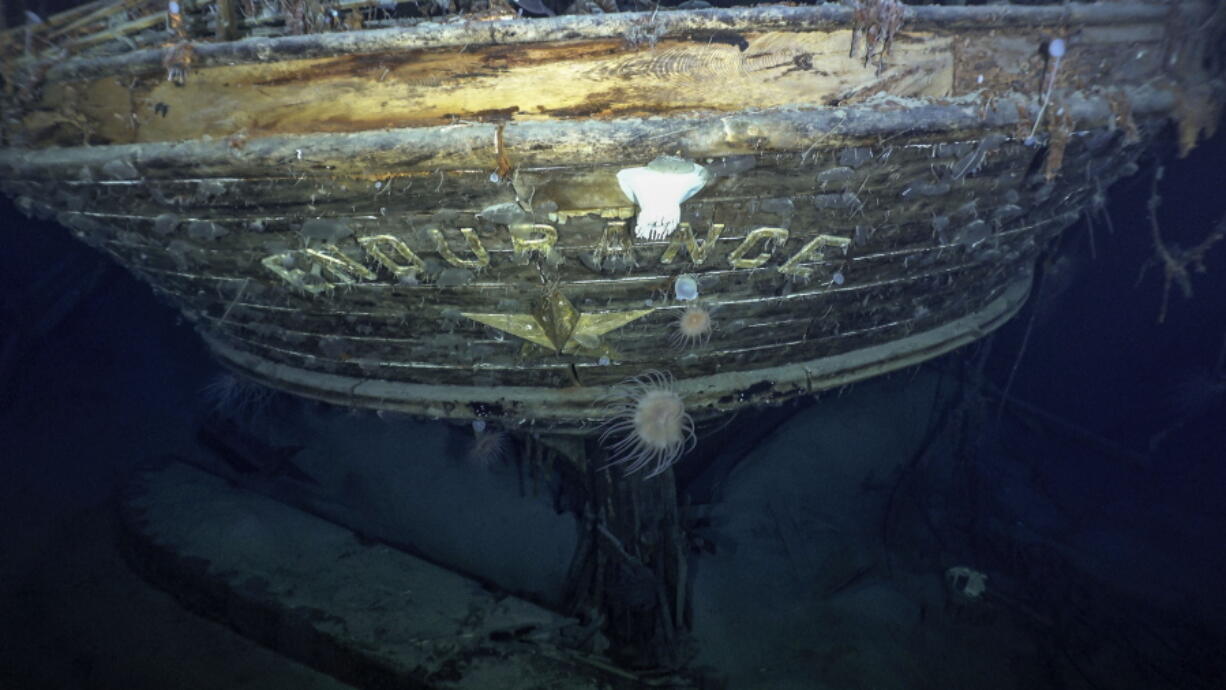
556	325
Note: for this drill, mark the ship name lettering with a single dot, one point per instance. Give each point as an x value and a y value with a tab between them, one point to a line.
474	243
329	266
769	238
684	237
532	238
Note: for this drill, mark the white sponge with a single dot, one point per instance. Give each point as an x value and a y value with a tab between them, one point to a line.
659	188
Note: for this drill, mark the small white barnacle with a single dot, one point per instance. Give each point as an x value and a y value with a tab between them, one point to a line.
659	188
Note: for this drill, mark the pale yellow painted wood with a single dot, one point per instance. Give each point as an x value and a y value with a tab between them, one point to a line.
599	78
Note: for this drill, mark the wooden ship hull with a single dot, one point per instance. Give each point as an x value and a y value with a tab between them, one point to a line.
428	218
499	219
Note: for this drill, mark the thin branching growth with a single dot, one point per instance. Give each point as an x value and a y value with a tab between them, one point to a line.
1177	262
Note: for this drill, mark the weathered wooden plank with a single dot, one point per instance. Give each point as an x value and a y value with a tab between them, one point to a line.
51	25
556	403
716	22
421	83
548	81
375	616
542	144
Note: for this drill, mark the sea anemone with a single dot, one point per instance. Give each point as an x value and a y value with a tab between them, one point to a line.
651	421
694	327
229	396
489	445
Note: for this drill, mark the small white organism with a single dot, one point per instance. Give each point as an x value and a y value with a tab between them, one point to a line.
659	189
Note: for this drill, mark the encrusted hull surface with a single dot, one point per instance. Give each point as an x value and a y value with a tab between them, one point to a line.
437	219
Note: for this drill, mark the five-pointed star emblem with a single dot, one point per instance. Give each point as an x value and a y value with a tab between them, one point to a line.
555	324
